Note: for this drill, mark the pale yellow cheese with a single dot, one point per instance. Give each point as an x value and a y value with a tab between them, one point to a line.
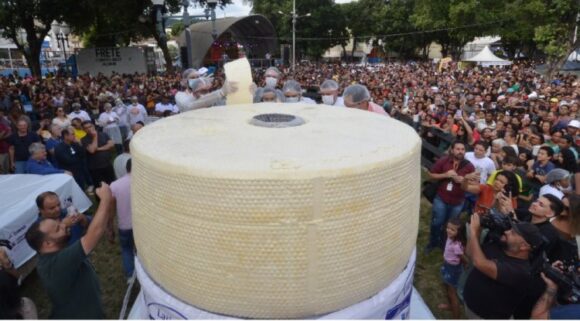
258	222
240	72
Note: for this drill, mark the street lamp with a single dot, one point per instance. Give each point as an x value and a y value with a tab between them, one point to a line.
295	16
61	32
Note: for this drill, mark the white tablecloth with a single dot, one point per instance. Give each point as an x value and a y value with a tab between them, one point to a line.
18	207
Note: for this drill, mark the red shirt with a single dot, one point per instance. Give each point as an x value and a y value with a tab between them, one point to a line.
456	196
486	199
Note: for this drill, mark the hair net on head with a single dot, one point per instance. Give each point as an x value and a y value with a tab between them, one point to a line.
357	93
329	84
267	90
292	85
186	74
200	84
271	71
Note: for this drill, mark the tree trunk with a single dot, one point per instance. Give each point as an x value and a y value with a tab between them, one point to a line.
554	66
354	43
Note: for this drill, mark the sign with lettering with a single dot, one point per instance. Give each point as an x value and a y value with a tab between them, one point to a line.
106	60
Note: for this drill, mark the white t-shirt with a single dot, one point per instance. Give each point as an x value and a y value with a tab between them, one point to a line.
549	189
484	165
160	108
136	113
82	115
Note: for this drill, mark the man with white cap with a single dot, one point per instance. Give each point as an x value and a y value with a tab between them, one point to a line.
557	182
573	130
329	93
136	112
358	96
79	113
196	94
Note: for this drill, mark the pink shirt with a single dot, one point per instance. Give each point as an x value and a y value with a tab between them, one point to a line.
453	252
377	109
121	189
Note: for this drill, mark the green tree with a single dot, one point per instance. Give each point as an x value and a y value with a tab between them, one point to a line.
34	17
326	24
556	36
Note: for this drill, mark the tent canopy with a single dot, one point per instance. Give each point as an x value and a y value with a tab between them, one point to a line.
254	31
486	58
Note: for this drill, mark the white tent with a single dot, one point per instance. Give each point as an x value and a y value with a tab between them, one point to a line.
486	58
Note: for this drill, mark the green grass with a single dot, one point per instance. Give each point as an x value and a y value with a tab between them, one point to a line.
107	261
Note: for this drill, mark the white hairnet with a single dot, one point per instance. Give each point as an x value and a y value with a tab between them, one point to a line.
272	70
186	74
200	84
291	85
357	93
329	84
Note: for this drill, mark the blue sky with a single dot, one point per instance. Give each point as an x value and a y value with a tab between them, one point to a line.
238	8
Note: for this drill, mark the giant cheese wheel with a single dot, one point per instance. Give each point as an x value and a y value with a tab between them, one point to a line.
275	211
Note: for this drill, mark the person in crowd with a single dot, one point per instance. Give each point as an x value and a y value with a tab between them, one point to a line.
61	119
77	129
567	142
272	77
486	195
449	171
270	95
483	164
49	207
557	182
501	270
538	169
99	147
565	160
453	259
197	93
77	297
293	93
109	121
329	93
52	142
121	110
71	156
79	113
39	164
546	308
165	106
568	226
5	133
121	202
137	112
358	96
120	162
12	304
20	142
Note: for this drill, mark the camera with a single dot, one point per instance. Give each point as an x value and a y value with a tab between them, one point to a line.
496	221
568	281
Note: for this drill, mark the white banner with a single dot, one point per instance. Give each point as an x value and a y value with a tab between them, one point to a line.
18	207
392	303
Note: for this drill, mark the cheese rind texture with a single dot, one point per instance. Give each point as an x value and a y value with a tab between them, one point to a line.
260	222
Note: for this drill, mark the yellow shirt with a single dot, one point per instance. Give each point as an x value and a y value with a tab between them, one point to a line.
79	133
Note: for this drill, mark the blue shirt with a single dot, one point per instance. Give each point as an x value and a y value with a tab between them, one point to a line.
543	170
50	144
43	167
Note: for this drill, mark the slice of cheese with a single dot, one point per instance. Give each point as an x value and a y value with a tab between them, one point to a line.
285	222
240	72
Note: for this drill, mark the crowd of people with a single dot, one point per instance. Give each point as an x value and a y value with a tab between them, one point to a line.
504	146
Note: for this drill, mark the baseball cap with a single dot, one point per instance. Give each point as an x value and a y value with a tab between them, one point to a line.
556	174
554	100
530	233
574	123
